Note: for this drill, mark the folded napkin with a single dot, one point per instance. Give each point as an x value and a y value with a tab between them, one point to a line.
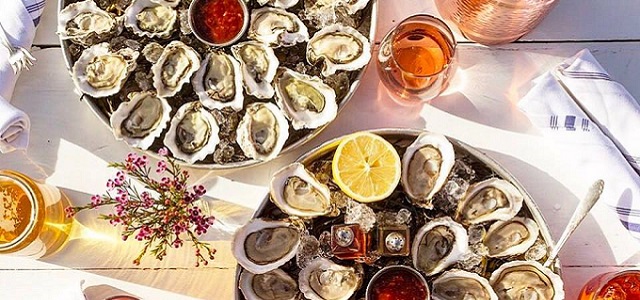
19	19
582	108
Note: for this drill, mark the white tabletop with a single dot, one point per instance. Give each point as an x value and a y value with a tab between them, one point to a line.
69	148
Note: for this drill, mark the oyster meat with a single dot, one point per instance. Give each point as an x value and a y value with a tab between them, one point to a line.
262	131
489	200
259	65
141	120
262	245
426	166
193	133
339	47
275	284
511	237
460	285
284	4
174	68
277	27
306	100
297	192
438	245
99	72
323	279
519	280
218	82
86	24
150	19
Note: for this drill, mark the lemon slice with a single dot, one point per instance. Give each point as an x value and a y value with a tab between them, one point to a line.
366	167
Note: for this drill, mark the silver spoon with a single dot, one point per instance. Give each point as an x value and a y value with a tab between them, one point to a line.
582	210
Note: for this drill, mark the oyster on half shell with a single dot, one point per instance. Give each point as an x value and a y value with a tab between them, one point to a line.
511	237
518	280
339	47
275	284
277	27
86	24
438	245
279	3
172	3
262	131
218	82
259	65
140	120
174	68
323	279
297	192
193	133
458	285
489	200
150	19
100	72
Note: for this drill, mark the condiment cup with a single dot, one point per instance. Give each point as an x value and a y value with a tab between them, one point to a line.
372	283
245	24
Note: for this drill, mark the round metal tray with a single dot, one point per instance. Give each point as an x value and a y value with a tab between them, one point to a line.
372	7
411	134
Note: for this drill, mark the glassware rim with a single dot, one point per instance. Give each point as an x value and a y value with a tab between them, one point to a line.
35	198
612	275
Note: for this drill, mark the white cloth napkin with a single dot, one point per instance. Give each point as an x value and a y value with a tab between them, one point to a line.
586	112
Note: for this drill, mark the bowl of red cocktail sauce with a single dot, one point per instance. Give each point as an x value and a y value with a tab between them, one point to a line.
218	22
397	283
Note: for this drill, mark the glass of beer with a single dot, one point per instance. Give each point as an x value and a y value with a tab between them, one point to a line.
613	286
417	58
32	218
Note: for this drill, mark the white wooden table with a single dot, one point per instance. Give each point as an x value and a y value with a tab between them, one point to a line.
70	147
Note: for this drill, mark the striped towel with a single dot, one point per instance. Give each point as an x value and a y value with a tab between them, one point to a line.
580	107
35	8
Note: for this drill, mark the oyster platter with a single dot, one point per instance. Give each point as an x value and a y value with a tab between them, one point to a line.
455	225
220	83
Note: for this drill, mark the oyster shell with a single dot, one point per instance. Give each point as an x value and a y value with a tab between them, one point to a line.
174	68
150	19
297	192
141	120
458	284
425	167
99	72
323	279
277	27
340	48
438	244
259	66
172	3
86	24
262	131
262	245
489	200
353	6
306	100
511	237
193	133
275	284
279	3
218	82
526	280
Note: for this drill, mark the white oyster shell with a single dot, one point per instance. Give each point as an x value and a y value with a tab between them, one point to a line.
262	245
279	3
438	245
353	6
275	284
86	24
489	200
277	27
511	237
458	284
150	19
339	47
306	100
172	3
259	65
193	133
297	192
425	167
517	280
218	82
140	120
99	72
262	131
323	279
174	68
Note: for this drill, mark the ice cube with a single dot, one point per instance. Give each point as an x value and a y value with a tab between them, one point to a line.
361	214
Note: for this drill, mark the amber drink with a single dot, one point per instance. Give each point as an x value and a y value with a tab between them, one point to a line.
32	218
623	285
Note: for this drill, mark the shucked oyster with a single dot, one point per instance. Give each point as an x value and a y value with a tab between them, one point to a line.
297	192
262	245
275	285
306	100
86	24
323	279
279	3
174	68
438	244
511	237
147	18
218	82
99	72
172	3
193	133
339	47
259	66
262	131
489	200
141	120
277	27
461	285
519	280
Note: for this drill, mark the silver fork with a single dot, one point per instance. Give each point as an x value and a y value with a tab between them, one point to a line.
19	58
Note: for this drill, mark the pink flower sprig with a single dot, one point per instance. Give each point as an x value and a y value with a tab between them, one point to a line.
161	216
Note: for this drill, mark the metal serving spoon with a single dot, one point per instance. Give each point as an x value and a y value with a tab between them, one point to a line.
582	210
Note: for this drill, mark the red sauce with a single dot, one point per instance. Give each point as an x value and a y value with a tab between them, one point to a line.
398	285
218	21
